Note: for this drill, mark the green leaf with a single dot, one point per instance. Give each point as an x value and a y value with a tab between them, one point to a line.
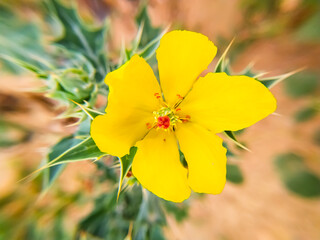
301	84
79	38
142	232
59	231
21	41
76	83
234	174
125	165
148	37
270	82
151	213
229	152
149	50
305	114
104	221
84	150
149	32
107	173
91	113
248	71
51	173
111	219
131	201
23	64
296	176
156	233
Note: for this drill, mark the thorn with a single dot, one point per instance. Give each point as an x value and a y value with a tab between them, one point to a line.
282	77
277	114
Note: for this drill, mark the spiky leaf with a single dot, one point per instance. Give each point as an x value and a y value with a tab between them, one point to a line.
79	38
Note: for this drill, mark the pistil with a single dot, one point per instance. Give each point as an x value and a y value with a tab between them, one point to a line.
165	118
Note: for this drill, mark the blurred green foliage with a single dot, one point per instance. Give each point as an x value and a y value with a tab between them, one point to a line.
234	174
302	84
12	134
296	176
309	31
20	40
21	218
316	137
305	85
305	114
79	38
253	8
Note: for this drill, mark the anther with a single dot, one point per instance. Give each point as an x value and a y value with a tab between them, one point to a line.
186	118
157	95
179	96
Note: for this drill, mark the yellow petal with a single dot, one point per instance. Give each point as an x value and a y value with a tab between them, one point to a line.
131	102
182	57
206	158
220	102
157	166
133	86
116	132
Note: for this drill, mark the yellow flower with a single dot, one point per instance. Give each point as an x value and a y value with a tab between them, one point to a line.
184	112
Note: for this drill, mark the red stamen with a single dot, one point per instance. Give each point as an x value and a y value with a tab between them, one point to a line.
163	122
179	96
157	95
186	119
148	125
178	109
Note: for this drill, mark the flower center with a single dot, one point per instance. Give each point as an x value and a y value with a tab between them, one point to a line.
165	118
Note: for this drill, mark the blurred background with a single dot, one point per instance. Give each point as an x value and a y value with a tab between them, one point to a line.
274	190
